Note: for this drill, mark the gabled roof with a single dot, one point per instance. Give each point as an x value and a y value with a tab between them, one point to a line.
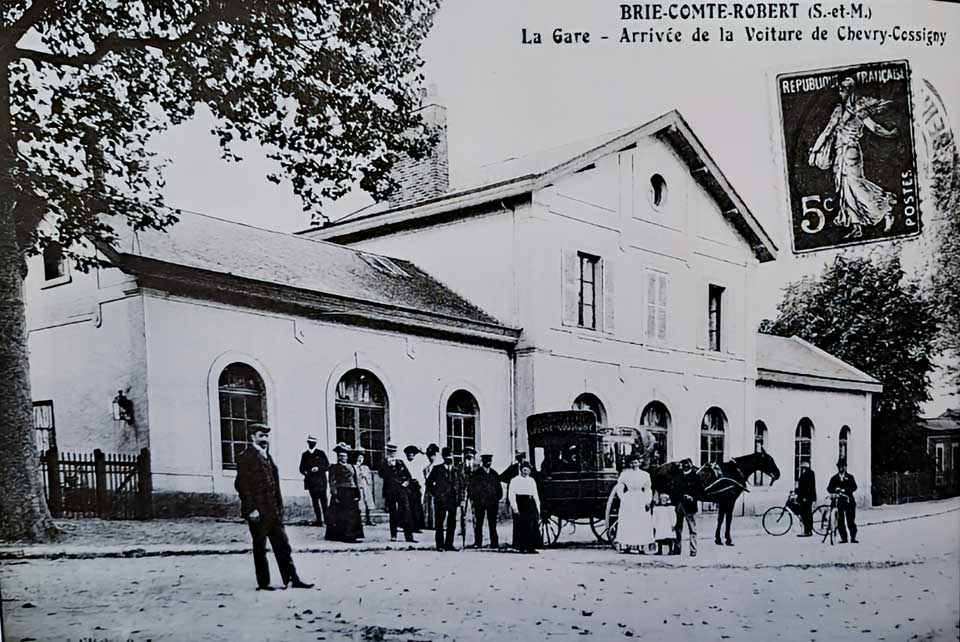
793	361
337	280
518	176
949	420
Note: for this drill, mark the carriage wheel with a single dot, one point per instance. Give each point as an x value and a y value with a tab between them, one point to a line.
777	521
611	516
550	527
599	527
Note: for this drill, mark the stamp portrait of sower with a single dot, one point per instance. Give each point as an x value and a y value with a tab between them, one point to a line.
850	159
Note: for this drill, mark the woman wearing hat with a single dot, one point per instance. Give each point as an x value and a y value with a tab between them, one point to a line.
525	504
635	519
414	490
343	522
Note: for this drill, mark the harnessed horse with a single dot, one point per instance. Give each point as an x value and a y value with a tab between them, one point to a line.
721	483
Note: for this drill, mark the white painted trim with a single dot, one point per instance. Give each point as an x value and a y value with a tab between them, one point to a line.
223	360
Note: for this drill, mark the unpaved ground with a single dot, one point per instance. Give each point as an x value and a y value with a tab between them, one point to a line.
900	583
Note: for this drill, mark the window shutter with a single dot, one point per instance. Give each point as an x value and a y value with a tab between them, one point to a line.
702	310
569	286
606	267
663	281
651	295
730	315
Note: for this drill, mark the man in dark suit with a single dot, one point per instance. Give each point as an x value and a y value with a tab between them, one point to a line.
683	496
485	493
446	485
396	482
258	483
513	469
806	493
845	485
313	467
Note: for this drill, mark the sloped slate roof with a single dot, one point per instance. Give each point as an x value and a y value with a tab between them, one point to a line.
535	171
225	247
949	420
795	361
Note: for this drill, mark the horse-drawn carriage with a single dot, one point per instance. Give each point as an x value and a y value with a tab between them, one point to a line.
577	465
579	462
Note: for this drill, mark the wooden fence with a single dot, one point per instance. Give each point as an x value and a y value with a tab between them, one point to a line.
113	486
901	488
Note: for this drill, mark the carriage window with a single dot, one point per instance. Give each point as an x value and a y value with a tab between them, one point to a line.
611	455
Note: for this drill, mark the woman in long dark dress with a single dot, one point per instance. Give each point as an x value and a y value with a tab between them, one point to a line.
344	523
525	504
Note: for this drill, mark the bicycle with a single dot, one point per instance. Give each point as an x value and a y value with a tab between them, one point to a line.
830	519
778	520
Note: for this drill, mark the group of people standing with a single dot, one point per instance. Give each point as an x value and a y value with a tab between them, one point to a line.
447	490
639	526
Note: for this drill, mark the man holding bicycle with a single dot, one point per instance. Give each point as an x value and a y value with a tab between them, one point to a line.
806	493
844	485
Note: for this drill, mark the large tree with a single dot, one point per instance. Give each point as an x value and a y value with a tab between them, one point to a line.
327	87
865	311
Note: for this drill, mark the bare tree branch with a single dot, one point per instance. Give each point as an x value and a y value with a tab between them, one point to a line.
12	34
216	12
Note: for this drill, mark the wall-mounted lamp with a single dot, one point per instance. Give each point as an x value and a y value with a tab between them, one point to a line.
122	408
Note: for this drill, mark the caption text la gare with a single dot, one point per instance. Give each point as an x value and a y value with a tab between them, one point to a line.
559	36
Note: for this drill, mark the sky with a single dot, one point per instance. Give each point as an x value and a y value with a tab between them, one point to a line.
505	98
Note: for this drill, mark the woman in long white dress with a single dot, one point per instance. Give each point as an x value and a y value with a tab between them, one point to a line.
635	519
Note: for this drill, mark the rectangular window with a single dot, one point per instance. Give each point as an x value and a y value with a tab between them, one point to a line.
657	283
587	302
43	425
939	456
715	317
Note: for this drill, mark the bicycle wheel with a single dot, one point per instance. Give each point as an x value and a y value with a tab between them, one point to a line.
777	521
820	520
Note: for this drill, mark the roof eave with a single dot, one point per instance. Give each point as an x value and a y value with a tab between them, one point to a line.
803	380
331	307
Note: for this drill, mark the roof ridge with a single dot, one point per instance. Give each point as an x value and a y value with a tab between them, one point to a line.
843	364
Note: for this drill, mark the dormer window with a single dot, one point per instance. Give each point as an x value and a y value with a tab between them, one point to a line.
383	264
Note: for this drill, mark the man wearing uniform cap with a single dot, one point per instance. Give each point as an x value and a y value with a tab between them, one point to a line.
485	494
447	486
261	505
313	467
514	469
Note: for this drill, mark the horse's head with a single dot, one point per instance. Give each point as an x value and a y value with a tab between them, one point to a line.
767	466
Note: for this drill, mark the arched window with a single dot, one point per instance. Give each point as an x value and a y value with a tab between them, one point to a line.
243	401
844	442
803	446
656	418
759	443
587	401
462	418
711	436
361	414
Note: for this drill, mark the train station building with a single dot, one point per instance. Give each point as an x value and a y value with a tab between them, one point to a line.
613	274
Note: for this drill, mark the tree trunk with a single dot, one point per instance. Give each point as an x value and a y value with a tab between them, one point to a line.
23	509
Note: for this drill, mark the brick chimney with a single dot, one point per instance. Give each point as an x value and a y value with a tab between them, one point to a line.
429	177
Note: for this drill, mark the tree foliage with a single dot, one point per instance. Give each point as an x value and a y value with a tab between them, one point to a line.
328	88
866	312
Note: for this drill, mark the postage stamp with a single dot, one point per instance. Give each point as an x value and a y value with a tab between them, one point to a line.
850	157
